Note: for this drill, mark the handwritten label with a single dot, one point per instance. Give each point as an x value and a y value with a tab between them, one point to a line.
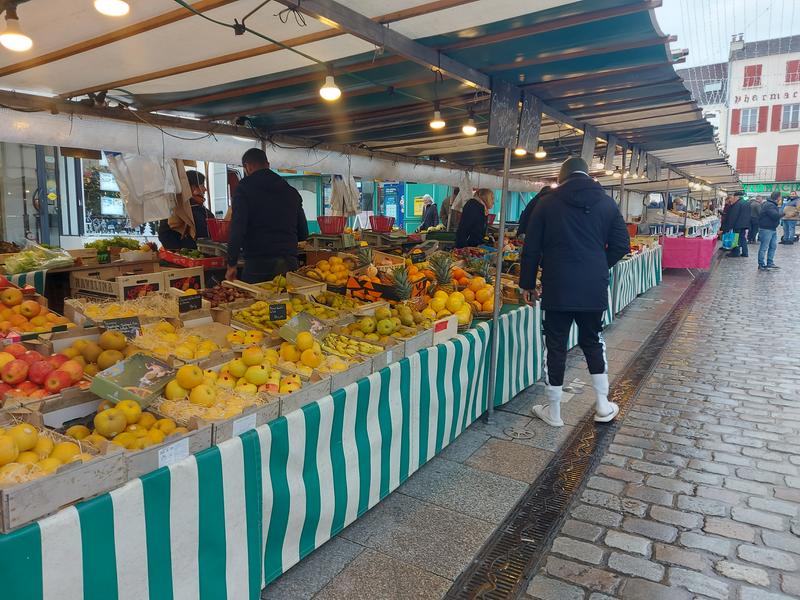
418	257
244	424
388	357
169	455
277	312
130	327
190	303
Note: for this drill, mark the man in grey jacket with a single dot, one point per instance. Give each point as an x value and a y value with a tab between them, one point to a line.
755	212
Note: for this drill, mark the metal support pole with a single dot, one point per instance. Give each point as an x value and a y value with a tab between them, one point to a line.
622	187
686	212
495	337
664	207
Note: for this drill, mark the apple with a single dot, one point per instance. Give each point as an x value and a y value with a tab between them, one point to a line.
39	393
29	309
14	372
38	371
31	356
5	358
56	381
56	360
25	388
11	296
16	350
4	389
73	368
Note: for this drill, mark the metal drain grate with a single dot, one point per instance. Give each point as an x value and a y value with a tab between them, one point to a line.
514	550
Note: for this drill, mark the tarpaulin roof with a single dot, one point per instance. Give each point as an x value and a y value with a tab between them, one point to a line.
599	63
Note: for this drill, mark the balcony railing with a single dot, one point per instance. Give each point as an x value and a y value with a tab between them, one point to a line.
767	174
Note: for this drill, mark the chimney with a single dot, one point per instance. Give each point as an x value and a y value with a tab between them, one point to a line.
737	42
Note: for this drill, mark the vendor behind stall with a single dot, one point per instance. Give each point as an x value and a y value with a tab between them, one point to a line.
170	231
472	226
266	223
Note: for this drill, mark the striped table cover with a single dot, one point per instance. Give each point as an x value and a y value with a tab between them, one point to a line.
227	521
627	274
34	278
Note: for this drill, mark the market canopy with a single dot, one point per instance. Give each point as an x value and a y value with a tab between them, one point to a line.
600	65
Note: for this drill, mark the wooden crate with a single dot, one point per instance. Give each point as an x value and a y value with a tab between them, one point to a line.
183	279
126	287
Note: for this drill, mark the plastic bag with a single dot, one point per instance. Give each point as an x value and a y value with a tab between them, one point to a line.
730	240
38	258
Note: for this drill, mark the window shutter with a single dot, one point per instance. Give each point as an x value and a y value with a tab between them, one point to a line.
792	71
786	168
777	112
736	117
763	117
746	161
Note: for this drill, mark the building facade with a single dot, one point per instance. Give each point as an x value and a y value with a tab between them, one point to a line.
754	101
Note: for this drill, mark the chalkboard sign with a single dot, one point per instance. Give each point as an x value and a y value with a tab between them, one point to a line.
189	303
504	114
129	326
277	312
418	257
611	150
530	122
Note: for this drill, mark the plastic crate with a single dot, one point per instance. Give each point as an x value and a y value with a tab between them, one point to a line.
381	224
331	225
219	229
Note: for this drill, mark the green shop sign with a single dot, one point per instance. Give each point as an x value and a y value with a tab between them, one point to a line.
767	188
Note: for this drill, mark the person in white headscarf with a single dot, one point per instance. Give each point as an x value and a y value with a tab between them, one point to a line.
430	214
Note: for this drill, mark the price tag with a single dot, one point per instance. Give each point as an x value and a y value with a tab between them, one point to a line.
130	327
189	303
169	455
417	258
389	357
244	424
277	312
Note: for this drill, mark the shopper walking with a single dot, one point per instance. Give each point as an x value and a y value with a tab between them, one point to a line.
576	234
768	225
789	212
737	219
755	211
430	214
472	225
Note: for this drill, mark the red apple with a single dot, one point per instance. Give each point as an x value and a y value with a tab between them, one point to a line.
56	381
16	350
73	368
4	389
31	356
56	360
39	371
39	393
25	388
14	372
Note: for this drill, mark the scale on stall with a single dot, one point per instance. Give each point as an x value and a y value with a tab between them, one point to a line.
377	240
212	248
318	241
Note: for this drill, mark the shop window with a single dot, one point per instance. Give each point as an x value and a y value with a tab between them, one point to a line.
749	120
746	161
791	116
792	71
752	76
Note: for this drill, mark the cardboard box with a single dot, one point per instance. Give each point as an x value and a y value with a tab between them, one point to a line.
140	378
183	279
445	329
310	392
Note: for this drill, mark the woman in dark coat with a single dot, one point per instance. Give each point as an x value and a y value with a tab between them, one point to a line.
472	227
430	214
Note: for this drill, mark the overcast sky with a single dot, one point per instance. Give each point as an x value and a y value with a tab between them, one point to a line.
705	27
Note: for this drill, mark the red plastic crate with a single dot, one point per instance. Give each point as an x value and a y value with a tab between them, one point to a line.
381	224
211	262
490	218
218	229
331	225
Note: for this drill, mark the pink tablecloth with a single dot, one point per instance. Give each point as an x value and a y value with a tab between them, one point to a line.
688	253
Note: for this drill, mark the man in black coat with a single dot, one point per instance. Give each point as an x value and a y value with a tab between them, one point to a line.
430	214
267	221
755	212
576	234
737	219
472	225
525	217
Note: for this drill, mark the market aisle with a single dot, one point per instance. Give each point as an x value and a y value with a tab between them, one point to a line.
416	542
699	495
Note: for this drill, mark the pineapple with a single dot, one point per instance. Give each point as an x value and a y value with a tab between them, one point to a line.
401	283
482	268
364	256
441	263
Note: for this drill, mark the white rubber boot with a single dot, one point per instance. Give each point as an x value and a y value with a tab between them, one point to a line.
604	411
550	413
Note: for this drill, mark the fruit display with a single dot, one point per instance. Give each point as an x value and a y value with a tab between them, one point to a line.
467	253
125	424
222	294
444	304
347	347
110	348
258	315
302	357
250	337
27	373
276	286
191	253
103	245
28	453
441	263
26	316
401	321
36	257
151	305
163	340
336	270
338	301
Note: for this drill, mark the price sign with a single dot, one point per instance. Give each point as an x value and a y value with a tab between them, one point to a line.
171	454
130	327
189	303
418	257
277	312
244	424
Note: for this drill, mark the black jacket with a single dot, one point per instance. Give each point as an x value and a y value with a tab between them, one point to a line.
430	217
472	226
770	215
737	217
171	239
268	218
525	217
576	234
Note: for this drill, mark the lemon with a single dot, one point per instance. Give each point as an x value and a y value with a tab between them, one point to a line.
64	451
8	450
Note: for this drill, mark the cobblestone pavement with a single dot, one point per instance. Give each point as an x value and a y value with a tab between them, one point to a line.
699	495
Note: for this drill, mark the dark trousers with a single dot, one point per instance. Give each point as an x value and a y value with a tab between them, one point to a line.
257	270
556	336
752	233
742	248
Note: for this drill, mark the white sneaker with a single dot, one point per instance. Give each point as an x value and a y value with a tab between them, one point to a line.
604	411
550	413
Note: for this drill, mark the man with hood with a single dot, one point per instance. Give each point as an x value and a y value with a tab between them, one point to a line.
575	235
267	221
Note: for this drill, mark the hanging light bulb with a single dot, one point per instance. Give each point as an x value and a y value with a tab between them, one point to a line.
437	122
609	171
540	153
112	8
520	152
469	127
329	91
13	37
617	174
553	185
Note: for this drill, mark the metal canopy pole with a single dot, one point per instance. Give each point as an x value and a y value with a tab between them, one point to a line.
664	207
686	210
622	185
495	336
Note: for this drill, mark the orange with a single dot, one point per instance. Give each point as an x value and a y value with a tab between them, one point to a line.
477	283
469	295
413	270
488	306
483	294
463	281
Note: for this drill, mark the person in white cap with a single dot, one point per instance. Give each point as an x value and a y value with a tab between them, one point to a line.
575	235
430	214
